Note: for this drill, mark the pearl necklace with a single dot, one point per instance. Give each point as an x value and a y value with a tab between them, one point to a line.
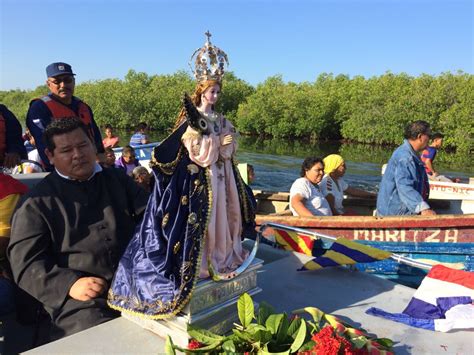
211	116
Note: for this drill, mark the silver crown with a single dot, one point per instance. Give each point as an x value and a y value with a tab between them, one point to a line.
209	61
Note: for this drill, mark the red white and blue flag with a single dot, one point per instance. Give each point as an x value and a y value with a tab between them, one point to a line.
442	302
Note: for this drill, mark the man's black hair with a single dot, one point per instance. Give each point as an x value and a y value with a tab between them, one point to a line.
62	126
308	163
142	126
412	130
436	136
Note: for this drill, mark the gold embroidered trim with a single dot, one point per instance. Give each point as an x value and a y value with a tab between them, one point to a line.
193	169
169	305
184	200
167	168
176	247
164	222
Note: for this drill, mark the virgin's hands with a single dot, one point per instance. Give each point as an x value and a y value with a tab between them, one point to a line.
87	288
227	139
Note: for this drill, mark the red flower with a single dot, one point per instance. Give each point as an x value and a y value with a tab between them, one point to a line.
194	344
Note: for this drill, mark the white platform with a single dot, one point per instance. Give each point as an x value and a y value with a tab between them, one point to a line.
338	291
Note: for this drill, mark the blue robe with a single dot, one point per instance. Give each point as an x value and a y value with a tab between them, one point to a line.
160	267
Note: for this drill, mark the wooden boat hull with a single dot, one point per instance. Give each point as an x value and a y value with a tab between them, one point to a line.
445	239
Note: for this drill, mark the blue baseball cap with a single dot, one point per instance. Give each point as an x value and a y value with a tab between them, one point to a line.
56	69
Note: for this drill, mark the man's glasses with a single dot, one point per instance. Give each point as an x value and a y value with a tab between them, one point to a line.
64	79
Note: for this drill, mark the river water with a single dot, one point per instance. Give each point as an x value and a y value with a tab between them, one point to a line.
277	162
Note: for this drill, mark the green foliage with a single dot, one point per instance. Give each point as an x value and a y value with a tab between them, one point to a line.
373	110
274	333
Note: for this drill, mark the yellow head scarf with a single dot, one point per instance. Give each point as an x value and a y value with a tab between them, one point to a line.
332	162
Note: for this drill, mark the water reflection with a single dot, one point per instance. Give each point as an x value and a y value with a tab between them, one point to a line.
277	162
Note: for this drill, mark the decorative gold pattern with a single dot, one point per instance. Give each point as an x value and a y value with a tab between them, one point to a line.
192	218
167	168
176	247
184	200
165	220
172	308
193	169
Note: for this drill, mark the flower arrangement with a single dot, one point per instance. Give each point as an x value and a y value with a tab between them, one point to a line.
324	334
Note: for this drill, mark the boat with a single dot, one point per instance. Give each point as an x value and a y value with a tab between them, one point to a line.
143	153
444	238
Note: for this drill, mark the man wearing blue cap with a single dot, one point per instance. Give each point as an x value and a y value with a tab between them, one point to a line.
59	103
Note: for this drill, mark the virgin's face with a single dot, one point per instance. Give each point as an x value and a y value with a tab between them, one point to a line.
211	95
315	174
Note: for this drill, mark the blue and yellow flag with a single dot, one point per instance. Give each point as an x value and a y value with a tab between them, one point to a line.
346	252
293	241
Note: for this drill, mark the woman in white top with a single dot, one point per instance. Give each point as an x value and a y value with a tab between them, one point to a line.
333	186
305	197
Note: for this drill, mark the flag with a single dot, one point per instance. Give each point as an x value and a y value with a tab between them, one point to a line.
441	303
293	241
346	252
10	191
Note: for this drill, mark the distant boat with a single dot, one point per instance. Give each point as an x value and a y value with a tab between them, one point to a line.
143	153
444	238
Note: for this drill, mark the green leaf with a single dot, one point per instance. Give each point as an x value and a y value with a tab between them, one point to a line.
169	346
388	343
359	342
246	309
203	336
243	335
299	339
282	333
316	313
264	311
228	346
263	336
294	326
307	346
273	322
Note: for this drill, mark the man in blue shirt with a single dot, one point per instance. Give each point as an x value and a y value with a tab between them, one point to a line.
404	189
60	103
140	136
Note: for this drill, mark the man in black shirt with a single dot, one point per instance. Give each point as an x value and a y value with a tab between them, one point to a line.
69	232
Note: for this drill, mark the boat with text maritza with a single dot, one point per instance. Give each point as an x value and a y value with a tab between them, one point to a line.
444	238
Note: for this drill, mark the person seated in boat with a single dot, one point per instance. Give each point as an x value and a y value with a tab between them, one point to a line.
110	139
198	213
109	158
12	149
139	137
428	155
333	186
404	189
142	177
306	198
70	230
128	160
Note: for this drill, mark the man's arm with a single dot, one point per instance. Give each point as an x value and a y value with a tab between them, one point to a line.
429	164
405	180
31	254
37	119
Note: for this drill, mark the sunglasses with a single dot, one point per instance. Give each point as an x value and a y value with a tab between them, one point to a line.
65	80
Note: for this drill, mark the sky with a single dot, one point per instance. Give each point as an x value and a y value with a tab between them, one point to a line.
297	39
